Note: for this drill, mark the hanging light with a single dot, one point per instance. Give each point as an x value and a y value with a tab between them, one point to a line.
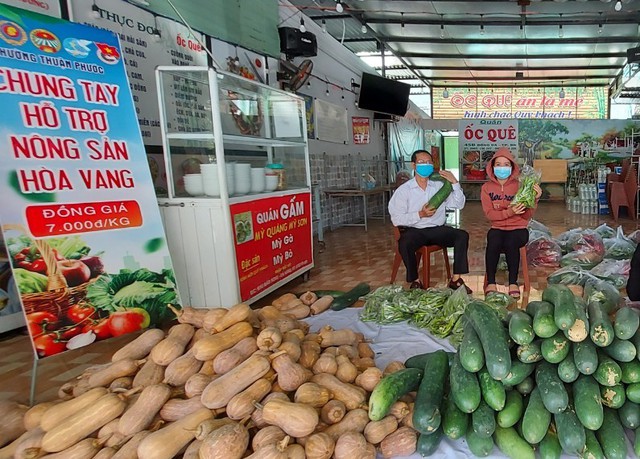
342	92
363	29
157	36
560	31
445	93
303	29
561	94
442	26
402	20
339	7
481	25
95	11
618	6
324	26
600	29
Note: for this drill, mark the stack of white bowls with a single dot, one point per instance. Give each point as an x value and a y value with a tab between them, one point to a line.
257	179
242	178
271	182
231	179
210	182
193	184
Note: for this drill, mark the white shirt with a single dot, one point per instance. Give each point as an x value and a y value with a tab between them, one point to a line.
409	198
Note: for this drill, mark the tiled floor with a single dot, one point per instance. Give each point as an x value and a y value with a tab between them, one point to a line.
350	256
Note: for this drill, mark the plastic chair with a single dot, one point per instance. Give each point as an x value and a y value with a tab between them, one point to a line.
524	271
423	253
624	194
617	178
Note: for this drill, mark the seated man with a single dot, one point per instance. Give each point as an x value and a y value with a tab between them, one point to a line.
422	226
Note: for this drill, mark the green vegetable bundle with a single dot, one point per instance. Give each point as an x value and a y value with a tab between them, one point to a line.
526	195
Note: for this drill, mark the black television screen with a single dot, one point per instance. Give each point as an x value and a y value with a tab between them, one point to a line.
383	95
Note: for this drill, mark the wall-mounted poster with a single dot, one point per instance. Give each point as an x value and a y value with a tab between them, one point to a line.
79	214
311	116
361	130
234	59
331	122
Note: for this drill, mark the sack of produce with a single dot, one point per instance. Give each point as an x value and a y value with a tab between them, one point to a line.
526	195
619	247
589	241
535	225
570	275
567	239
543	251
585	260
605	231
614	271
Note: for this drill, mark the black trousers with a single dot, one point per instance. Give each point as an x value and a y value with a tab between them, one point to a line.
508	242
633	284
411	239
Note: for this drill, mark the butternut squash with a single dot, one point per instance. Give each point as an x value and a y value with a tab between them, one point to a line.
30	446
12	421
369	379
331	337
193	450
219	391
129	450
399	410
231	358
308	298
65	392
173	346
139	416
312	394
355	420
376	431
352	396
83	449
333	412
8	451
408	419
296	419
290	374
108	430
272	450
198	334
347	371
189	315
271	316
175	408
33	415
319	446
315	337
140	347
266	436
402	442
121	384
363	363
196	384
209	347
212	317
283	299
208	426
165	443
207	368
181	369
291	304
300	311
309	354
295	451
292	348
227	442
256	416
242	405
150	373
235	314
321	305
70	431
105	453
365	351
326	363
81	386
60	412
349	445
351	352
269	339
392	367
118	369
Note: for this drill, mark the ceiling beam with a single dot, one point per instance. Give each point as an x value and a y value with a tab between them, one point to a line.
503	68
513	78
509	56
514	86
498	41
597	20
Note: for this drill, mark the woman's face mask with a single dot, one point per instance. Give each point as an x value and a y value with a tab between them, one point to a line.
424	170
502	172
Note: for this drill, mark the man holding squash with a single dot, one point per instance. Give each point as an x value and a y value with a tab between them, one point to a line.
417	208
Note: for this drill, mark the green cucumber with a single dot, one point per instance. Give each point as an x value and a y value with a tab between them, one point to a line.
512	444
585	356
570	431
564	307
493	391
493	336
526	386
470	350
549	447
633	392
479	446
608	372
636	442
611	436
512	411
621	350
428	443
579	331
333	293
630	372
554	395
530	353
613	396
567	370
465	389
426	412
521	327
536	419
519	371
629	414
588	404
454	421
483	420
556	348
443	192
592	448
390	389
350	297
544	325
627	323
600	328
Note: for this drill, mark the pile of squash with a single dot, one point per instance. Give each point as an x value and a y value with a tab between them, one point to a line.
222	383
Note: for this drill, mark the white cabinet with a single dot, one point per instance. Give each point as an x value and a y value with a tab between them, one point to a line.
238	207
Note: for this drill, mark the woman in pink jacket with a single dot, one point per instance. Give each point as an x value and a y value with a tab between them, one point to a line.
508	231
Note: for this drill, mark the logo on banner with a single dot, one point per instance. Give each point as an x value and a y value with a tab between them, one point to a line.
108	54
45	41
77	48
12	33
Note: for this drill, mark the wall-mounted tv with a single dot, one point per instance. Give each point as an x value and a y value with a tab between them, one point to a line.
383	95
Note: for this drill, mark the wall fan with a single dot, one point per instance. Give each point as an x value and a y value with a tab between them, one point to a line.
292	76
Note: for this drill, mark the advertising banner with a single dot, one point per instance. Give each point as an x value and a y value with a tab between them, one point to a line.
79	214
273	240
361	130
479	140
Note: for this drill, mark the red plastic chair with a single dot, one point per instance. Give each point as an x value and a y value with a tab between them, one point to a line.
624	194
614	178
423	253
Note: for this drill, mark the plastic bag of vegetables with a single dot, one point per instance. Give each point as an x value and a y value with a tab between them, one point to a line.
543	251
585	260
570	275
602	292
589	241
619	247
567	239
526	195
605	231
613	271
535	225
634	236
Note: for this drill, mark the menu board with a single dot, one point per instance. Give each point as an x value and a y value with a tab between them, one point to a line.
143	49
331	122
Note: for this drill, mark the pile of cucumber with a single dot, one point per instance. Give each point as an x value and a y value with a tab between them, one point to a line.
561	376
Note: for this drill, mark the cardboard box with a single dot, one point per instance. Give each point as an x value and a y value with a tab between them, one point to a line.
553	170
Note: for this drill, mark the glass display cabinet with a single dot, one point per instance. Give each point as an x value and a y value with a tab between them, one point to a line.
237	209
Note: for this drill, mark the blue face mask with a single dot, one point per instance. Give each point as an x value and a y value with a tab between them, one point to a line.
502	172
424	170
